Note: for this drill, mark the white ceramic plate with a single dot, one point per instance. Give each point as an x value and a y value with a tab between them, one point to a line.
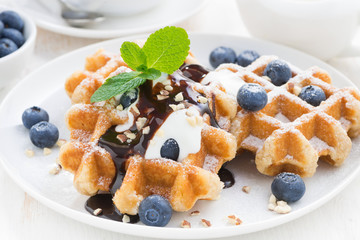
44	88
47	15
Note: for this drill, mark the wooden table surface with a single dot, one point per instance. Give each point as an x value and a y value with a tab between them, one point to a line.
22	217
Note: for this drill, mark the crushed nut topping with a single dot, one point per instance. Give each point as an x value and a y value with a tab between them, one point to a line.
185	224
166	82
55	170
164	92
246	189
202	99
120	107
195	213
130	135
47	151
97	211
60	142
136	110
122	138
179	97
162	97
234	220
168	88
146	130
126	219
140	123
278	206
206	223
29	153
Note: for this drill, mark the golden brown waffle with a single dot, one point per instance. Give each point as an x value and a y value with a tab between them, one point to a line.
290	134
195	177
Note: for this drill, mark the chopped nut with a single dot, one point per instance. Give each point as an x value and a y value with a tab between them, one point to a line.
120	107
206	223
60	142
136	110
271	206
179	97
173	106
246	189
168	88
266	78
122	138
126	219
272	199
185	224
297	90
166	82
164	92
146	130
234	220
55	170
290	86
191	121
282	207
47	151
195	213
97	211
140	123
160	133
161	97
202	99
180	106
29	153
130	135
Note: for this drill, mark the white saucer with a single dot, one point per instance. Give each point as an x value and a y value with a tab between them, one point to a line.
47	15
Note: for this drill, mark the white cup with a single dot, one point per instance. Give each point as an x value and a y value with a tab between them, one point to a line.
322	28
113	7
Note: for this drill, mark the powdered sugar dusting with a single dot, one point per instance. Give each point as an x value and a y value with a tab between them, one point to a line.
251	140
318	144
282	118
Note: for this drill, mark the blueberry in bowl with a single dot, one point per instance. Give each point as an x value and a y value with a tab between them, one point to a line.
288	187
155	210
44	134
222	55
33	115
246	57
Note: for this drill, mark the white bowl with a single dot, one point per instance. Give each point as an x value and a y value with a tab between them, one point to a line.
12	65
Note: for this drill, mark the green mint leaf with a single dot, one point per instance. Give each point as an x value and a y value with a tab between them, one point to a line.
116	85
142	68
151	74
133	55
167	49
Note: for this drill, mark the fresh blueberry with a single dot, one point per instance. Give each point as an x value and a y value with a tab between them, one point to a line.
14	35
278	71
312	95
33	115
6	47
170	149
155	210
246	57
288	187
12	20
222	55
129	97
252	97
44	134
1	27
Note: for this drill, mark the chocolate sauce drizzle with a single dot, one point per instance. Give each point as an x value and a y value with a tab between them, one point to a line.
156	112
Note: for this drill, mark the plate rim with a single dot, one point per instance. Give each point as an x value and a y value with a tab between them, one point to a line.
176	233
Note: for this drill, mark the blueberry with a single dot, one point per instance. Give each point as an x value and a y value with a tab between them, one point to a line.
14	35
129	97
288	187
252	97
312	95
222	55
246	57
155	210
6	47
33	115
44	134
170	149
278	71
1	27
12	20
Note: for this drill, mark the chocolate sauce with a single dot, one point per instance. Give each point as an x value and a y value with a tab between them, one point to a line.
226	177
109	211
194	72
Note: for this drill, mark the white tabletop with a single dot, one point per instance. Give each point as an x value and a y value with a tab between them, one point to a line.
22	217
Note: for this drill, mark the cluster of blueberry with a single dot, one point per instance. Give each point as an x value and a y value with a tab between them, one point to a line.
11	32
42	133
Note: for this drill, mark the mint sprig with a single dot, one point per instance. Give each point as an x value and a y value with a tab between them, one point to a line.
164	51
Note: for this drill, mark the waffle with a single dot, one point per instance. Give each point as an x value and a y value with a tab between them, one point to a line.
290	134
182	183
